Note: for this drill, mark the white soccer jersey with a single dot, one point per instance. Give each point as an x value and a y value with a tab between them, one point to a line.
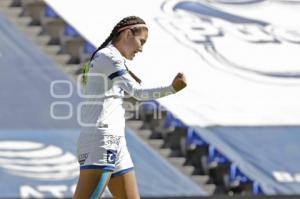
108	78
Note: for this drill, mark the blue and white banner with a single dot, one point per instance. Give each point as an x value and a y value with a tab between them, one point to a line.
238	55
38	163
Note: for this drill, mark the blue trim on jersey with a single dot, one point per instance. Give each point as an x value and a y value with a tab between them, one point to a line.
101	185
117	74
119	173
103	167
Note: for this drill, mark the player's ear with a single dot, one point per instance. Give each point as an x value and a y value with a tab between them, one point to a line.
128	33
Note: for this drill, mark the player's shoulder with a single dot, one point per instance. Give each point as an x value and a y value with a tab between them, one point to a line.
110	53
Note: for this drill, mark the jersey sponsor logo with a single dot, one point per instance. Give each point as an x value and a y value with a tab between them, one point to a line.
36	160
82	158
112	141
111	156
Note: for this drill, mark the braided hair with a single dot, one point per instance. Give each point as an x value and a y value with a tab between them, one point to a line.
113	37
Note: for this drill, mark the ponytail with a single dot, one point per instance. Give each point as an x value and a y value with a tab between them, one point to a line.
85	70
103	45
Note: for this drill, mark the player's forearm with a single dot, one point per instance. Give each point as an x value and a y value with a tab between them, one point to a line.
142	94
152	93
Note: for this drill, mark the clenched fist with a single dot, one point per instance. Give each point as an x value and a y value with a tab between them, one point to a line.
179	82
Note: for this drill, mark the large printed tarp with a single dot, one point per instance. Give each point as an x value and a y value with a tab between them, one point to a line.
237	60
240	58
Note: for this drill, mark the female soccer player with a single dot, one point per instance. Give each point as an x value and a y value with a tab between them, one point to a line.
102	151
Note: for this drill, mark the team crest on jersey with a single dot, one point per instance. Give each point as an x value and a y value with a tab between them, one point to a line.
111	156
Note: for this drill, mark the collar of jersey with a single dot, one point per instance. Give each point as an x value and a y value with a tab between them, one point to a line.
116	51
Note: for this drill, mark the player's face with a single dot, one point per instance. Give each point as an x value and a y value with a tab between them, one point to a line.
135	43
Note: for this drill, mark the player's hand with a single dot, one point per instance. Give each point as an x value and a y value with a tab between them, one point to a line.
179	82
